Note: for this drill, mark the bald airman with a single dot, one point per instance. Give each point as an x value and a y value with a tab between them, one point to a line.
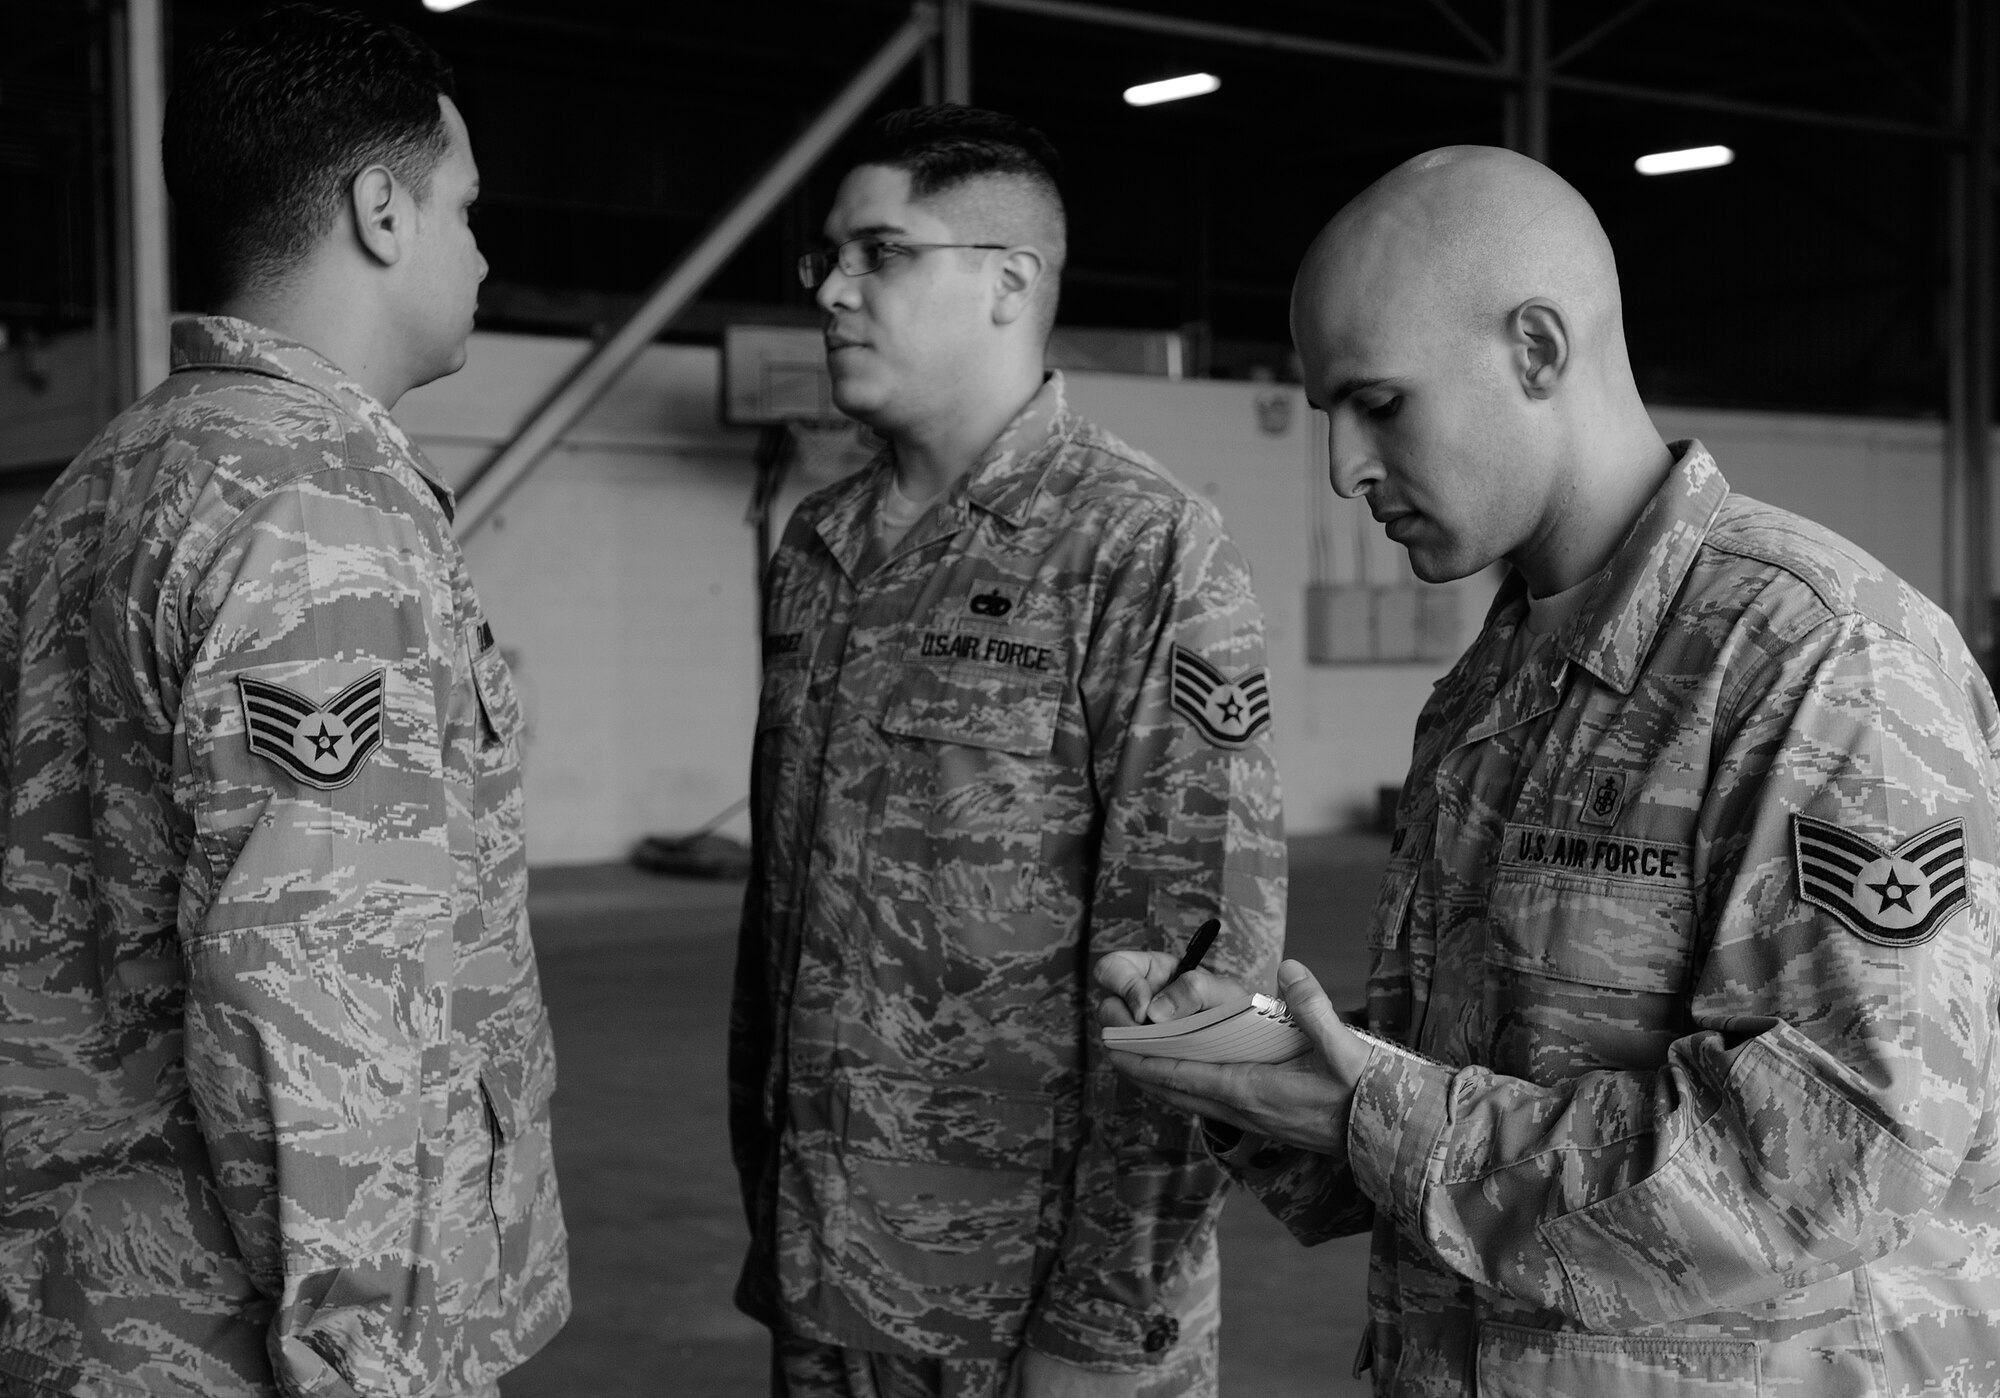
1678	1070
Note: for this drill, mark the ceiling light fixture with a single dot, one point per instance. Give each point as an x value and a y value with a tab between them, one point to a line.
1172	89
440	6
1674	162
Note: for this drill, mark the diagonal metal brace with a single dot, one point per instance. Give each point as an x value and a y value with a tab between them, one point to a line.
599	369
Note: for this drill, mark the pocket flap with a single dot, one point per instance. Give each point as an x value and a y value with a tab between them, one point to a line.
498	700
518	1089
1591	933
976	706
886	1116
1411	843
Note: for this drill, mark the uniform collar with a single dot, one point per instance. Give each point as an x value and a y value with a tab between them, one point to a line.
1008	474
224	342
1613	633
1004	481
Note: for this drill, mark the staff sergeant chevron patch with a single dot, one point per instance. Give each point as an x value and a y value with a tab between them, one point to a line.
1228	712
323	745
1895	898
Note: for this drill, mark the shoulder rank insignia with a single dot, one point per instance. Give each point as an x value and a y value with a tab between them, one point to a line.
323	745
1894	898
1228	712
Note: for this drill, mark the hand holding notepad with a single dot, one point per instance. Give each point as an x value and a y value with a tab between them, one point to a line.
1253	1029
1245	1029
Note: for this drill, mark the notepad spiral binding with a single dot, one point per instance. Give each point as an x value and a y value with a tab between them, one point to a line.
1274	1009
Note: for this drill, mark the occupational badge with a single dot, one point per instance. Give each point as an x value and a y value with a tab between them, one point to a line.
323	745
1893	897
1229	712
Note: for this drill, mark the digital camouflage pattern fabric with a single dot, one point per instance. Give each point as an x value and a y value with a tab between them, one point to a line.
274	1067
1669	1125
970	781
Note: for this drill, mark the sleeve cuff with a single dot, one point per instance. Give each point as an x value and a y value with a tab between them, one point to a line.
1401	1106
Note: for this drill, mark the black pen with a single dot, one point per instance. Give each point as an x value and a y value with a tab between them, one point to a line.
1204	938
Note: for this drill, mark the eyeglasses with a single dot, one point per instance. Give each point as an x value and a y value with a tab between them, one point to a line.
857	257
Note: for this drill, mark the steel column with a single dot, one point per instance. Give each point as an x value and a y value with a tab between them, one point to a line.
138	93
1534	57
1968	523
955	45
601	367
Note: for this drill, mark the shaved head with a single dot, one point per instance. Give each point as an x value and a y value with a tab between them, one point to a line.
1461	316
1456	238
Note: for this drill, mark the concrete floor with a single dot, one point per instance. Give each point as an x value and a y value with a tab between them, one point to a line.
636	972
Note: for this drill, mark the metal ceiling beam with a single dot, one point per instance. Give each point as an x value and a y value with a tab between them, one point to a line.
1601	33
1083	13
1465	30
591	378
1510	72
1731	106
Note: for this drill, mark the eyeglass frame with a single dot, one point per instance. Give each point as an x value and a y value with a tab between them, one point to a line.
808	261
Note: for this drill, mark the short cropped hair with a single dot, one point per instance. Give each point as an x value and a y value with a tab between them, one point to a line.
269	123
1003	172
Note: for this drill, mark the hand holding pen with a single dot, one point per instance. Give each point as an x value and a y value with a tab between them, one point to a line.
1139	981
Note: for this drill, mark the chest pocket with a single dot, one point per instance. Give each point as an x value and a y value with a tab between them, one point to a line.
1585	973
967	785
1398	967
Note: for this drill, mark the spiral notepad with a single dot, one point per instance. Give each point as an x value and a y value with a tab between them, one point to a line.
1254	1029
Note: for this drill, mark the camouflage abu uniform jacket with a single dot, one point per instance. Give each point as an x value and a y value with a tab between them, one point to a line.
1037	732
1693	920
274	1069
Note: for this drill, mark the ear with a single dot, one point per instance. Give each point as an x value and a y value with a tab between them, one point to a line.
1020	273
1538	333
380	215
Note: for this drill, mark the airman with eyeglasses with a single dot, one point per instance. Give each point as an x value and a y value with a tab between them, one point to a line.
857	257
971	776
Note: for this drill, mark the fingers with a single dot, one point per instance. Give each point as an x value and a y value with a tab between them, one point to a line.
1192	993
1133	976
1338	1046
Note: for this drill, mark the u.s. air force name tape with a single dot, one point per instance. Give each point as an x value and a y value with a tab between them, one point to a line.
1893	897
322	745
1227	711
1648	862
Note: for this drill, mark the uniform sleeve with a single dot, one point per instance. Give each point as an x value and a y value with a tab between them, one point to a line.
317	914
753	1028
1177	700
1833	1070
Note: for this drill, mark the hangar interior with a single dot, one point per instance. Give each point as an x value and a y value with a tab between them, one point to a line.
1819	311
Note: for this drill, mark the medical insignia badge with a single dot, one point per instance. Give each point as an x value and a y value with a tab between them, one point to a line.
1893	897
1228	712
323	745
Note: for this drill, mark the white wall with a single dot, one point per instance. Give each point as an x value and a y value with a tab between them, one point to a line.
622	576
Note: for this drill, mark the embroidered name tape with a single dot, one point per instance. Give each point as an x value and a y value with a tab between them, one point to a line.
322	745
1893	897
1227	711
1608	857
983	649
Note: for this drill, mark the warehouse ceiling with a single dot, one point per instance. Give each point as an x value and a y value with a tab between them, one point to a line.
1811	273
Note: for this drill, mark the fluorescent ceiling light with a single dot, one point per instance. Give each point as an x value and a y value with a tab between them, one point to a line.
1172	89
1673	162
442	5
